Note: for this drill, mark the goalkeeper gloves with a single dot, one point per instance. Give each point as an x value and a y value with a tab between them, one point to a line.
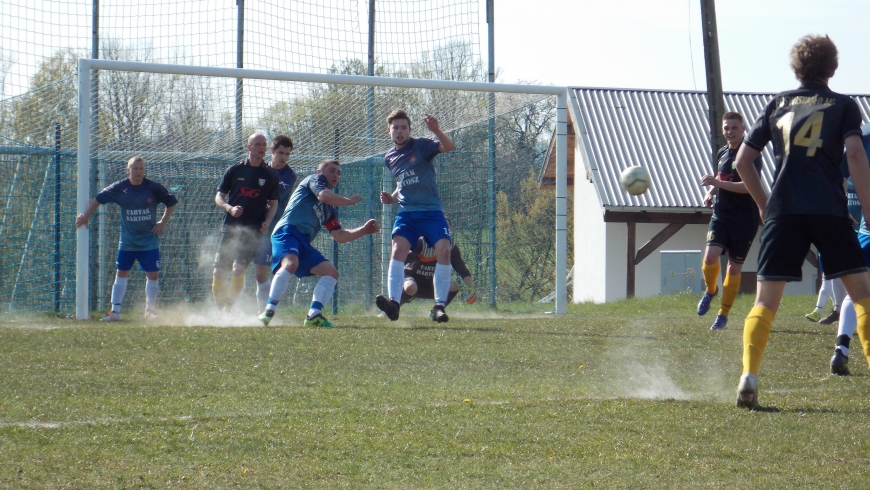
471	297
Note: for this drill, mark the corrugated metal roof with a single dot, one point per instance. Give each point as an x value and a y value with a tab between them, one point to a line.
664	131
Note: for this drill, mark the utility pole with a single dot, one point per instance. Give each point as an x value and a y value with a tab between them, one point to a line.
715	99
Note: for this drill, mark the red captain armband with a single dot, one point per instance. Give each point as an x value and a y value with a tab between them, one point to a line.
332	225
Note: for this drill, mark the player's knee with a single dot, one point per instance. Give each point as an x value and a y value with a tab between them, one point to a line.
263	273
289	264
410	288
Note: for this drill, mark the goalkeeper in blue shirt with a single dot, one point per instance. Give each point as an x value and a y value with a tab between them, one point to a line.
138	198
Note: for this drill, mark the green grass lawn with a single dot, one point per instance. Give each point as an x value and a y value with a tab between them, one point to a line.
633	394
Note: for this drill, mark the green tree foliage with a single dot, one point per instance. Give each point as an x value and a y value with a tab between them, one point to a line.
50	100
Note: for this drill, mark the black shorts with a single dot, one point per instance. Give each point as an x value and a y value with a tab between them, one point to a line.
734	238
238	244
785	241
425	287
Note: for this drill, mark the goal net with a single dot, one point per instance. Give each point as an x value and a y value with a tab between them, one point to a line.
190	124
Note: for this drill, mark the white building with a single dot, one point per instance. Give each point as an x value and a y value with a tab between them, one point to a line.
649	244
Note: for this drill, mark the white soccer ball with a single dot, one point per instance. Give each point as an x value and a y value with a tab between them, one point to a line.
635	180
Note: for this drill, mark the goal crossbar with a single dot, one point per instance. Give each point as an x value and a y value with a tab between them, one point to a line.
86	66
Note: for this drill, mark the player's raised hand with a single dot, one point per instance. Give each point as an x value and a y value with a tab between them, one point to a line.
82	220
159	227
371	227
431	122
386	198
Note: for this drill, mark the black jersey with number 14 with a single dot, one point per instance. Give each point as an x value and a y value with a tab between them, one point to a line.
807	127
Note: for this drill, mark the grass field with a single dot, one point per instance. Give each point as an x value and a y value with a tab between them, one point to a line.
636	394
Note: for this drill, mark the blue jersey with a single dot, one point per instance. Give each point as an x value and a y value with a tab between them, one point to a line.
286	179
138	205
865	137
414	171
305	212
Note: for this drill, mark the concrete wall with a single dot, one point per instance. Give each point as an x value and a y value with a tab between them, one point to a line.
590	243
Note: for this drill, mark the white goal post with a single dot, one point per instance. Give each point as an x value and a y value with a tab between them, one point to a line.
87	66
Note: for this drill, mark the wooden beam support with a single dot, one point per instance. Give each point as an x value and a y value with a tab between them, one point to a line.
629	262
657	241
694	218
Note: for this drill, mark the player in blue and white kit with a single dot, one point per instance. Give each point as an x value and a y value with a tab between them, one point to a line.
311	206
848	319
281	148
138	198
421	213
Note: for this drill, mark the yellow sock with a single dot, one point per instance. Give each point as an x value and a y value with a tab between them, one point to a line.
730	286
756	332
862	308
219	291
711	275
237	283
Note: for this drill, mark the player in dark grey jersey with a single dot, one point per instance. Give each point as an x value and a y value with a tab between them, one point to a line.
733	225
809	128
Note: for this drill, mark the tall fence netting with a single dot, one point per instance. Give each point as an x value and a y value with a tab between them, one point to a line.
183	126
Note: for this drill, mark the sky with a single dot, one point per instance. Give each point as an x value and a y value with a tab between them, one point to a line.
657	44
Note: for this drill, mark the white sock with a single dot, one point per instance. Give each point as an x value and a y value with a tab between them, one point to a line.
825	293
441	283
839	292
322	292
152	288
395	279
119	289
263	294
848	319
280	283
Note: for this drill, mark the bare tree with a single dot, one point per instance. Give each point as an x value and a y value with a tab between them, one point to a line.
130	102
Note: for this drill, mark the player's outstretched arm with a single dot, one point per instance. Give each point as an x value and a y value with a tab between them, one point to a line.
326	196
744	163
343	236
161	225
445	143
859	169
82	219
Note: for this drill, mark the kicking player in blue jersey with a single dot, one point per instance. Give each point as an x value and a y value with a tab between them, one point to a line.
138	198
281	148
809	128
421	213
311	206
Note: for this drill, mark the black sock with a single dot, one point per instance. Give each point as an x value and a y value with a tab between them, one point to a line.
843	340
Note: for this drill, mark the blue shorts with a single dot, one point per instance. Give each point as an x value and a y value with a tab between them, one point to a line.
431	225
263	256
288	241
149	260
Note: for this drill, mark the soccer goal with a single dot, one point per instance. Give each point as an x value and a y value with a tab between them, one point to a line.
190	123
